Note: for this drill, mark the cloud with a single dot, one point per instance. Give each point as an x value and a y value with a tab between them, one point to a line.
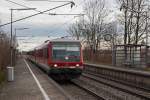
41	26
29	43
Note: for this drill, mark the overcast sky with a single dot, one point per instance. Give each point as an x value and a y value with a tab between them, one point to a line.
44	25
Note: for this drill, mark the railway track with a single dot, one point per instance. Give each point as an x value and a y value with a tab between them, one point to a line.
140	79
58	89
71	90
99	83
79	92
128	83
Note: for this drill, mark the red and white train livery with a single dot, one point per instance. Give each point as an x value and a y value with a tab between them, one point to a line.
60	58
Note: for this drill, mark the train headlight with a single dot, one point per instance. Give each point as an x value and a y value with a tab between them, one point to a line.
55	65
66	58
77	65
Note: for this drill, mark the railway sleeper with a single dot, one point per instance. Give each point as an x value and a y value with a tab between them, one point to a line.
126	92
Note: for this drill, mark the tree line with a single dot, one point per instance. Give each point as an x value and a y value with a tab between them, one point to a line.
131	26
5	52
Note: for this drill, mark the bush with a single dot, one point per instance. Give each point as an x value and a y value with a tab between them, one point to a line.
101	56
4	55
2	76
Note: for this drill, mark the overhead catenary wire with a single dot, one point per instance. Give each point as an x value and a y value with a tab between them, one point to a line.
40	11
24	6
61	25
35	14
21	5
66	21
45	13
33	37
63	14
56	14
51	31
50	0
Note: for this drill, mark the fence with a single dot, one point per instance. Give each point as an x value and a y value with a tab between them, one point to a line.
132	55
100	56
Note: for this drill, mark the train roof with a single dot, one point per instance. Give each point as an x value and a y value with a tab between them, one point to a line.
57	41
64	40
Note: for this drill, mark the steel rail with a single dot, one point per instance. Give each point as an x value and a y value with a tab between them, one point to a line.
138	93
87	90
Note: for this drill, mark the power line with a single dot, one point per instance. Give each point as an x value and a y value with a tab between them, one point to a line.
60	25
40	11
50	31
23	6
49	0
36	14
64	23
58	1
64	14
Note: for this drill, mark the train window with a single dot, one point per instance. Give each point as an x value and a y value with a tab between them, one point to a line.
66	52
45	52
73	48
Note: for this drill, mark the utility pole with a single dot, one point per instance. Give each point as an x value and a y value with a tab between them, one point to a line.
146	29
11	31
15	49
11	46
72	4
146	38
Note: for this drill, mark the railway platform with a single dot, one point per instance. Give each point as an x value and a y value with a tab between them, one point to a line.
30	84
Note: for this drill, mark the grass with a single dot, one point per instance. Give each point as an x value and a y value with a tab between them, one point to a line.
2	76
4	56
147	69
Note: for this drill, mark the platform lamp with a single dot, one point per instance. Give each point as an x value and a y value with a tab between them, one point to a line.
11	41
15	40
10	69
19	29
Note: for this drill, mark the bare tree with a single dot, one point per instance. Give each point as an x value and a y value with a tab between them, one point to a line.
135	14
113	30
75	30
4	50
92	27
96	13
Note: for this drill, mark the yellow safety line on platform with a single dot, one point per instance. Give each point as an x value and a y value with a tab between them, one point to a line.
38	83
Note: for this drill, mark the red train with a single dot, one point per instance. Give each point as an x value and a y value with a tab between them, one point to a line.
60	58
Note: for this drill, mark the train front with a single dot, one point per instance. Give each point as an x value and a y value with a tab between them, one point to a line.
66	59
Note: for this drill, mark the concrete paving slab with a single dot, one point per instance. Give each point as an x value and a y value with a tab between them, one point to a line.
52	91
24	87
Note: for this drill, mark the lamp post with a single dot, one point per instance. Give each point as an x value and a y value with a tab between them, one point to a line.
11	41
19	29
15	50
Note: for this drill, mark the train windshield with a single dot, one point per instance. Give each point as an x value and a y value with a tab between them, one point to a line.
66	52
